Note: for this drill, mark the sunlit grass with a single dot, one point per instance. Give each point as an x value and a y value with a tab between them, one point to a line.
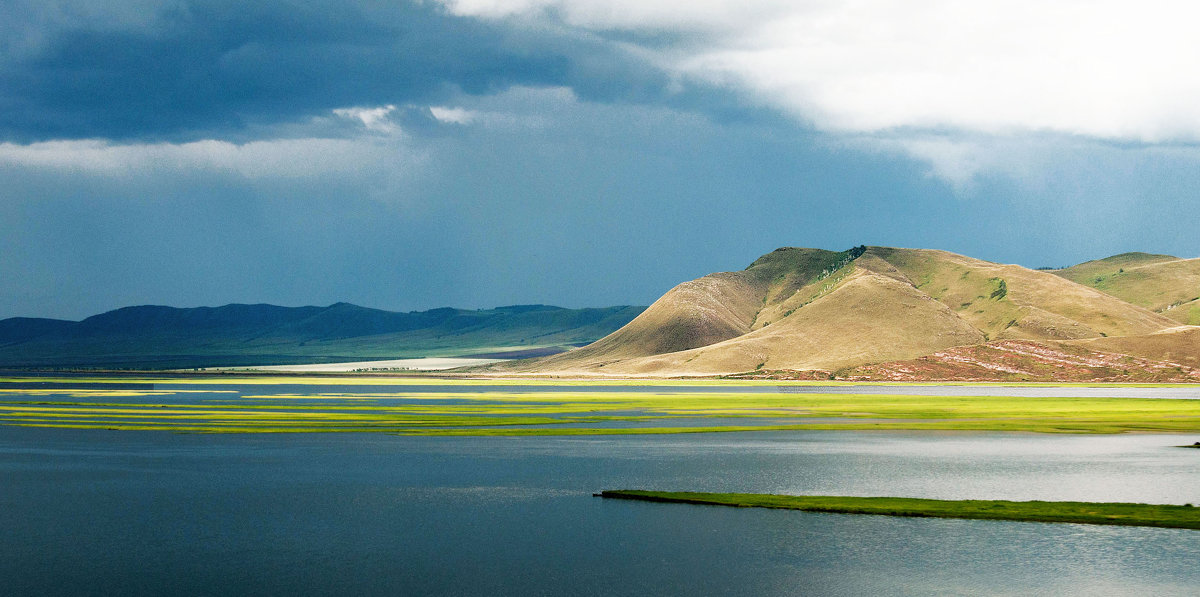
566	412
96	392
1153	515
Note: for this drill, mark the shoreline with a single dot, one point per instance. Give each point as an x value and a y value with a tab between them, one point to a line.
517	379
1097	513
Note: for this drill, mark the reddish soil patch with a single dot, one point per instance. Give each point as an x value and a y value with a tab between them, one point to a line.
1007	360
781	374
1024	360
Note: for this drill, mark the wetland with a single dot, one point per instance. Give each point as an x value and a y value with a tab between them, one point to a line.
318	485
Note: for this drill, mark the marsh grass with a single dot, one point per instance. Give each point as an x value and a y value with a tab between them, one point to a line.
1152	515
567	412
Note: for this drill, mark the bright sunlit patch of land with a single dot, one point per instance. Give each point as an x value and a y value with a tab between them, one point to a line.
367	407
423	364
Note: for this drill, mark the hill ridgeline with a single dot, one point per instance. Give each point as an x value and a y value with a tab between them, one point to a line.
889	313
232	335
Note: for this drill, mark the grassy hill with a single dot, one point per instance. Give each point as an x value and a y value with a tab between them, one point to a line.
863	313
813	310
714	308
1162	283
167	337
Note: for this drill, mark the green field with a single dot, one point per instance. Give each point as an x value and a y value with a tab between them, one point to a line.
1149	515
255	404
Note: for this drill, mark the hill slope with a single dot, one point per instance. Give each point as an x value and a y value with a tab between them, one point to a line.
714	308
814	310
154	336
1162	283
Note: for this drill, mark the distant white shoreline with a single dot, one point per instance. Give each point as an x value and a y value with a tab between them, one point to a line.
425	364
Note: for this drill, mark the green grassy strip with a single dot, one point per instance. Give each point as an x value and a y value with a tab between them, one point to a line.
447	424
1147	515
509	427
566	412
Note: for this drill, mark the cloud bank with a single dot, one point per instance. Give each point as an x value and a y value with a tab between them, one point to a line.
473	153
1107	69
944	81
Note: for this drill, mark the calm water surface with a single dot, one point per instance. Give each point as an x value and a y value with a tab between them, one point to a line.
150	513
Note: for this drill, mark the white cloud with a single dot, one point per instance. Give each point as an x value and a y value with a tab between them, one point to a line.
516	108
453	115
281	158
1037	162
379	168
377	119
1102	69
354	142
630	14
362	148
959	159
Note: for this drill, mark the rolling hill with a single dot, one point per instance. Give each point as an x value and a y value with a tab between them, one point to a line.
167	337
865	313
1162	283
810	312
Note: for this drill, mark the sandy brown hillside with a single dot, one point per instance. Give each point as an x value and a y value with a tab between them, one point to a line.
709	310
814	310
1013	302
1161	283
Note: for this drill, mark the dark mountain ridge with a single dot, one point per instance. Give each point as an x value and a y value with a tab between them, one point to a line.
153	335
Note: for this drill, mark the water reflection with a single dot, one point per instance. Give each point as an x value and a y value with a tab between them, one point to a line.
94	512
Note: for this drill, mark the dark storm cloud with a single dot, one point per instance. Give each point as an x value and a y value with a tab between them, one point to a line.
209	70
193	154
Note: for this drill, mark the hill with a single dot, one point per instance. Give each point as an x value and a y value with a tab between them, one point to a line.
168	337
1162	283
822	312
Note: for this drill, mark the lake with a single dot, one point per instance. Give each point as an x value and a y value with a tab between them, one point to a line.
94	512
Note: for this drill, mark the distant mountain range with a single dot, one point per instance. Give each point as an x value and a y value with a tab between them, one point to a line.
233	335
868	313
911	314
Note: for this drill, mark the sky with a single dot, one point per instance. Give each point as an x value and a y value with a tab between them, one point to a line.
477	153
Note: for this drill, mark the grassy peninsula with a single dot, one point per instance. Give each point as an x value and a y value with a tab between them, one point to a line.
1148	515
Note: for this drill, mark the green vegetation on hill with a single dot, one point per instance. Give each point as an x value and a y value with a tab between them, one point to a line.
1161	283
166	337
802	312
708	310
1148	515
1013	302
800	288
977	295
816	311
1108	265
